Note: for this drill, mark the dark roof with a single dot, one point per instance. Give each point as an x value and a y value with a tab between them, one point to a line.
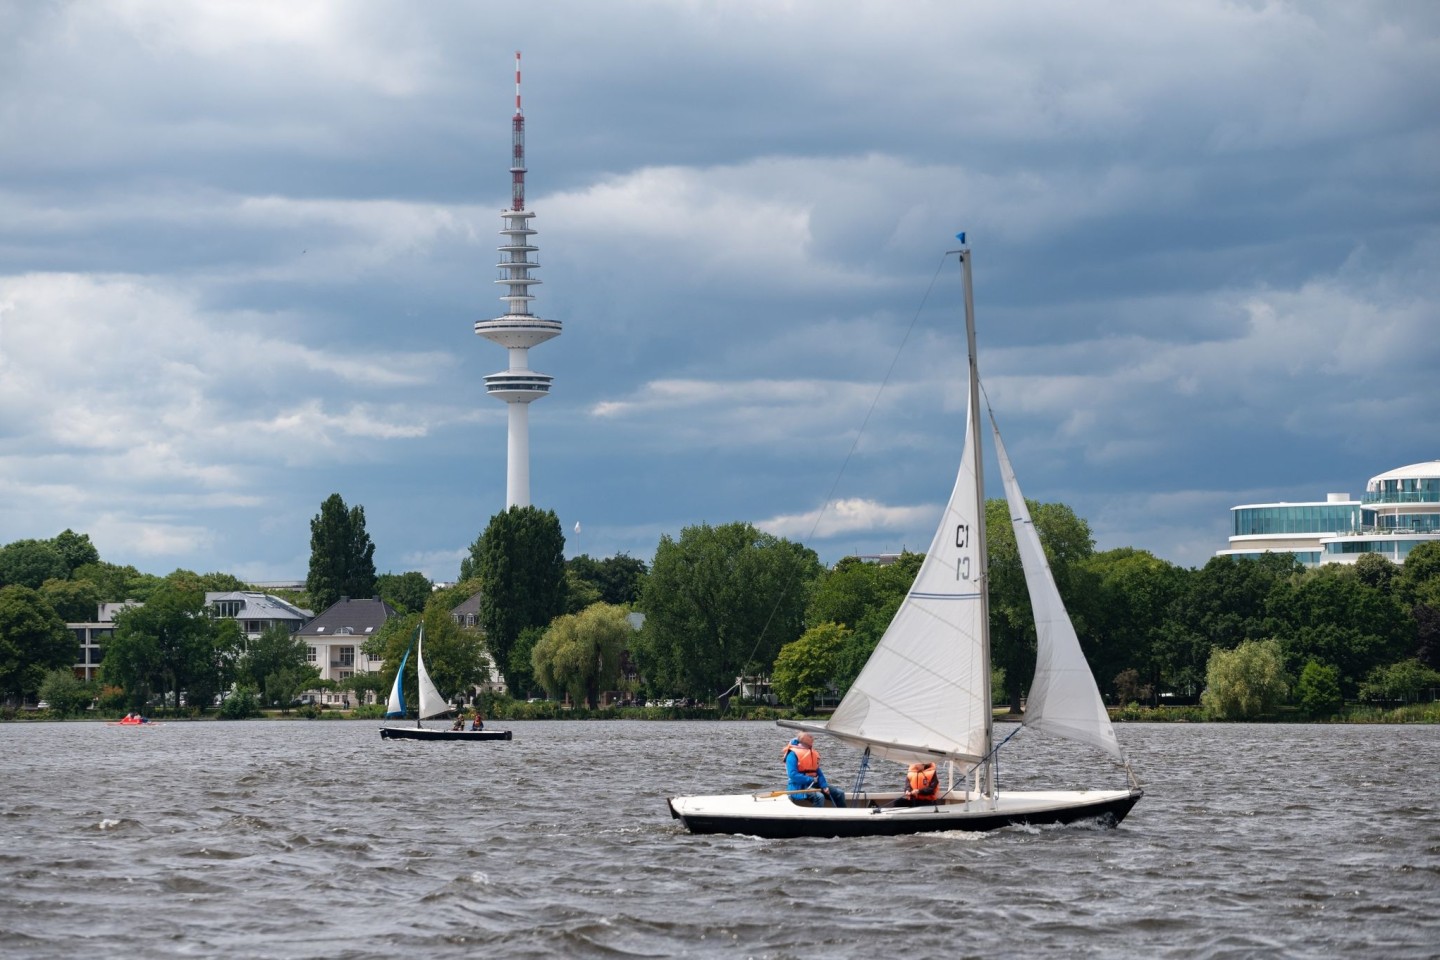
471	605
358	618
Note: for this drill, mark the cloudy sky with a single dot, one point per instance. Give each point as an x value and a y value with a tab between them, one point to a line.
243	246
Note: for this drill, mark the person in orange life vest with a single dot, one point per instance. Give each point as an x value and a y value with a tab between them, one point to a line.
478	723
922	786
802	767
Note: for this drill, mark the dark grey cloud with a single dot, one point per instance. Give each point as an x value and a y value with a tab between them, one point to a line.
252	239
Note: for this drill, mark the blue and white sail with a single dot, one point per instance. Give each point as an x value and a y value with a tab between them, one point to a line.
395	706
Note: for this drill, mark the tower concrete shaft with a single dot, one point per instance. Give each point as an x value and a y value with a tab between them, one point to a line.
518	330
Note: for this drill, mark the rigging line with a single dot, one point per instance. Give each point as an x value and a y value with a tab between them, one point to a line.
994	755
830	495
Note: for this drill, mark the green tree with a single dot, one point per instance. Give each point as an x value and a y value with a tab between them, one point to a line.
76	549
29	563
853	588
863	598
455	658
1420	575
616	580
33	641
76	601
520	561
1223	603
805	667
65	693
1131	593
342	558
280	654
519	667
580	653
720	603
1331	615
284	685
1377	572
408	592
216	670
1427	634
1317	692
1405	682
1246	682
164	646
580	593
118	583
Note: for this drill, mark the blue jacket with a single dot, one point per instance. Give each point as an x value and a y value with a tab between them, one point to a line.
798	780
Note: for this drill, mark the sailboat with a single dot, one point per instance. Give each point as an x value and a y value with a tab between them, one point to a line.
432	704
924	695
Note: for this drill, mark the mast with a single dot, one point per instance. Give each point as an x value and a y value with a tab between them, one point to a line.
979	466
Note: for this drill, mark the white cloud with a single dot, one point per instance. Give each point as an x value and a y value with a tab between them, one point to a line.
850	516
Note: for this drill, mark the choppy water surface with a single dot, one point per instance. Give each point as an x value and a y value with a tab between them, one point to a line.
317	839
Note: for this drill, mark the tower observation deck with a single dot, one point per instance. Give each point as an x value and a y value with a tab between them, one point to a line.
519	329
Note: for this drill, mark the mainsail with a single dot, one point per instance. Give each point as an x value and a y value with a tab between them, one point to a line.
925	691
431	703
1063	699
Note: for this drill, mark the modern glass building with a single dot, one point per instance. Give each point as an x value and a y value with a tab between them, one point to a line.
1400	510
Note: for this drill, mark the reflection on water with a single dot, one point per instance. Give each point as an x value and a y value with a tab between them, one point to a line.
317	839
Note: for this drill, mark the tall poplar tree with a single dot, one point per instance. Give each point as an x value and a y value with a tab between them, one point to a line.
520	561
342	558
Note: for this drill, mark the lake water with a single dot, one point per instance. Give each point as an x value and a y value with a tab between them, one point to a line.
318	839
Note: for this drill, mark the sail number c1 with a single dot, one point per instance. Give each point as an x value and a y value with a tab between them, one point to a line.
962	541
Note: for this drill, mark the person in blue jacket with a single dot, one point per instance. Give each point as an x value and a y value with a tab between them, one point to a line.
802	768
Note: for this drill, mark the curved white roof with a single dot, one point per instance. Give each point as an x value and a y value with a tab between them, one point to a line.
1430	469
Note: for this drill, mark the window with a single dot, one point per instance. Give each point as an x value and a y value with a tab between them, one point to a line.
311	654
347	658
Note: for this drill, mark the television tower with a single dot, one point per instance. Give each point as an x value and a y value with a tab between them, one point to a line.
518	330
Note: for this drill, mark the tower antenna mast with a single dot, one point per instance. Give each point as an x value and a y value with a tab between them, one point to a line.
517	144
518	330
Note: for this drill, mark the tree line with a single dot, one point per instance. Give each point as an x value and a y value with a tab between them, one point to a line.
729	601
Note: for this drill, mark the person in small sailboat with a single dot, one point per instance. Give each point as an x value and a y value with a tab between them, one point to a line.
802	769
922	786
459	723
478	723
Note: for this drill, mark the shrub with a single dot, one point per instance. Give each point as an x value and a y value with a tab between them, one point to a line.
1318	691
240	705
1246	682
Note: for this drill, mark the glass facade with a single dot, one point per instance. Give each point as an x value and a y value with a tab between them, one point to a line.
1418	522
1395	549
1300	518
1404	490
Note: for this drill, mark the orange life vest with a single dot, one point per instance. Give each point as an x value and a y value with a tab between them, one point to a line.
922	782
807	759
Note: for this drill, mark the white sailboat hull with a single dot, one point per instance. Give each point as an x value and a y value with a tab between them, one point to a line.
778	817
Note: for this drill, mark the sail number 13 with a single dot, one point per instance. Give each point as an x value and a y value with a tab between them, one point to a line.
962	541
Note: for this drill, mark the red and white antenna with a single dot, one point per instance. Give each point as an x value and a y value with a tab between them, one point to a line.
517	159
